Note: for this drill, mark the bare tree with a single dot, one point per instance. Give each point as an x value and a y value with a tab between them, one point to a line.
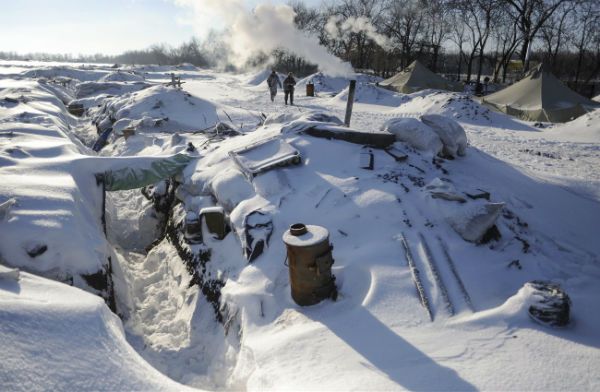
554	32
405	24
530	16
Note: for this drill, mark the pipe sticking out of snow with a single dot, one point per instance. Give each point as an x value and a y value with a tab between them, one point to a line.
350	103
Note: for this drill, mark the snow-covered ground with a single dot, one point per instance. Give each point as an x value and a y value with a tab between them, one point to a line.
203	316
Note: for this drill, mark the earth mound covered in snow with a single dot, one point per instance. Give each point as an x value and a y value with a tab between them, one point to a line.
585	129
167	109
369	93
122	76
458	106
84	74
90	89
333	85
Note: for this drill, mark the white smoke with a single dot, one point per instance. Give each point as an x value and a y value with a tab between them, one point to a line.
266	28
339	28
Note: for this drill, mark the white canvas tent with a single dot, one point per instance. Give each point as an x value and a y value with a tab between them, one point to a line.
540	96
418	77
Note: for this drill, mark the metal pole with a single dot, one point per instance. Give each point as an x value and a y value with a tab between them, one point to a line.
350	102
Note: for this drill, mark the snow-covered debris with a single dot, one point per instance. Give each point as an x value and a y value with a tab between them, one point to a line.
550	305
451	134
473	220
230	188
310	116
444	190
415	133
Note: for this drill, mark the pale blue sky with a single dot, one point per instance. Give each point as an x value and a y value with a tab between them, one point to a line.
94	26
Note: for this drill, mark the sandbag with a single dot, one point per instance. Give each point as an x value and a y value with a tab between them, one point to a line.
472	221
414	133
451	134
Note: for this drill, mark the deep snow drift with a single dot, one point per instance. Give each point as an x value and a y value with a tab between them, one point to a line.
200	313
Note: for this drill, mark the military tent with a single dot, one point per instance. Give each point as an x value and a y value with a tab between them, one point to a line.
540	96
418	77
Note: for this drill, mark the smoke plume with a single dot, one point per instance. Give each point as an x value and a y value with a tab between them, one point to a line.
339	28
264	29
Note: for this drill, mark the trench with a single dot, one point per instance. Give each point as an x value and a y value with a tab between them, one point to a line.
168	293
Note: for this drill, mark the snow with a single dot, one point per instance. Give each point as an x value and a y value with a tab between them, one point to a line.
376	335
314	235
57	337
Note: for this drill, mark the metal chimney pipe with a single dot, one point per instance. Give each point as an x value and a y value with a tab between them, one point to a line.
350	102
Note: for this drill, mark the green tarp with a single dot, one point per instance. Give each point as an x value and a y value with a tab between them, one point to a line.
139	177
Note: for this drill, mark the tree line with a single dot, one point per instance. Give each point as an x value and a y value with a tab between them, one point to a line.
463	39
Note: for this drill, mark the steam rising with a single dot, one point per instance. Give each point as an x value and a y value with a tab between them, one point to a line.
339	28
266	28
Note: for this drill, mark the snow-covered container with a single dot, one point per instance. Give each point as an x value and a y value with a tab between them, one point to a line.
214	217
310	260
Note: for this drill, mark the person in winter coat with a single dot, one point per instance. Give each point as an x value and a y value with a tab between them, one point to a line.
273	81
288	88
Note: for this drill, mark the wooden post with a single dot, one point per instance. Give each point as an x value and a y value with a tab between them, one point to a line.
100	181
350	102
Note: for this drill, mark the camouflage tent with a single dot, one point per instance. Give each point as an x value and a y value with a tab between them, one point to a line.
540	96
418	77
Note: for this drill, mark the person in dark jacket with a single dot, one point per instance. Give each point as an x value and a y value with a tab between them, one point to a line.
273	81
288	88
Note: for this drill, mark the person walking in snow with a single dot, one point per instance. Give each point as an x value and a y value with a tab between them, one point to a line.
273	81
288	88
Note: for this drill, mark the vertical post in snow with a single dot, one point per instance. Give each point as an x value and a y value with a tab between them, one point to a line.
350	102
100	180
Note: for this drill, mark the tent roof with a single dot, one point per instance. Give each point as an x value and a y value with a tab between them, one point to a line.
417	77
539	90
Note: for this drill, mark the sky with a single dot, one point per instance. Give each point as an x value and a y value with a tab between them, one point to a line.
98	26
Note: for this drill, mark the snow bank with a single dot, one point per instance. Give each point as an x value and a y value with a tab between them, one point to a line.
54	227
585	129
57	337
